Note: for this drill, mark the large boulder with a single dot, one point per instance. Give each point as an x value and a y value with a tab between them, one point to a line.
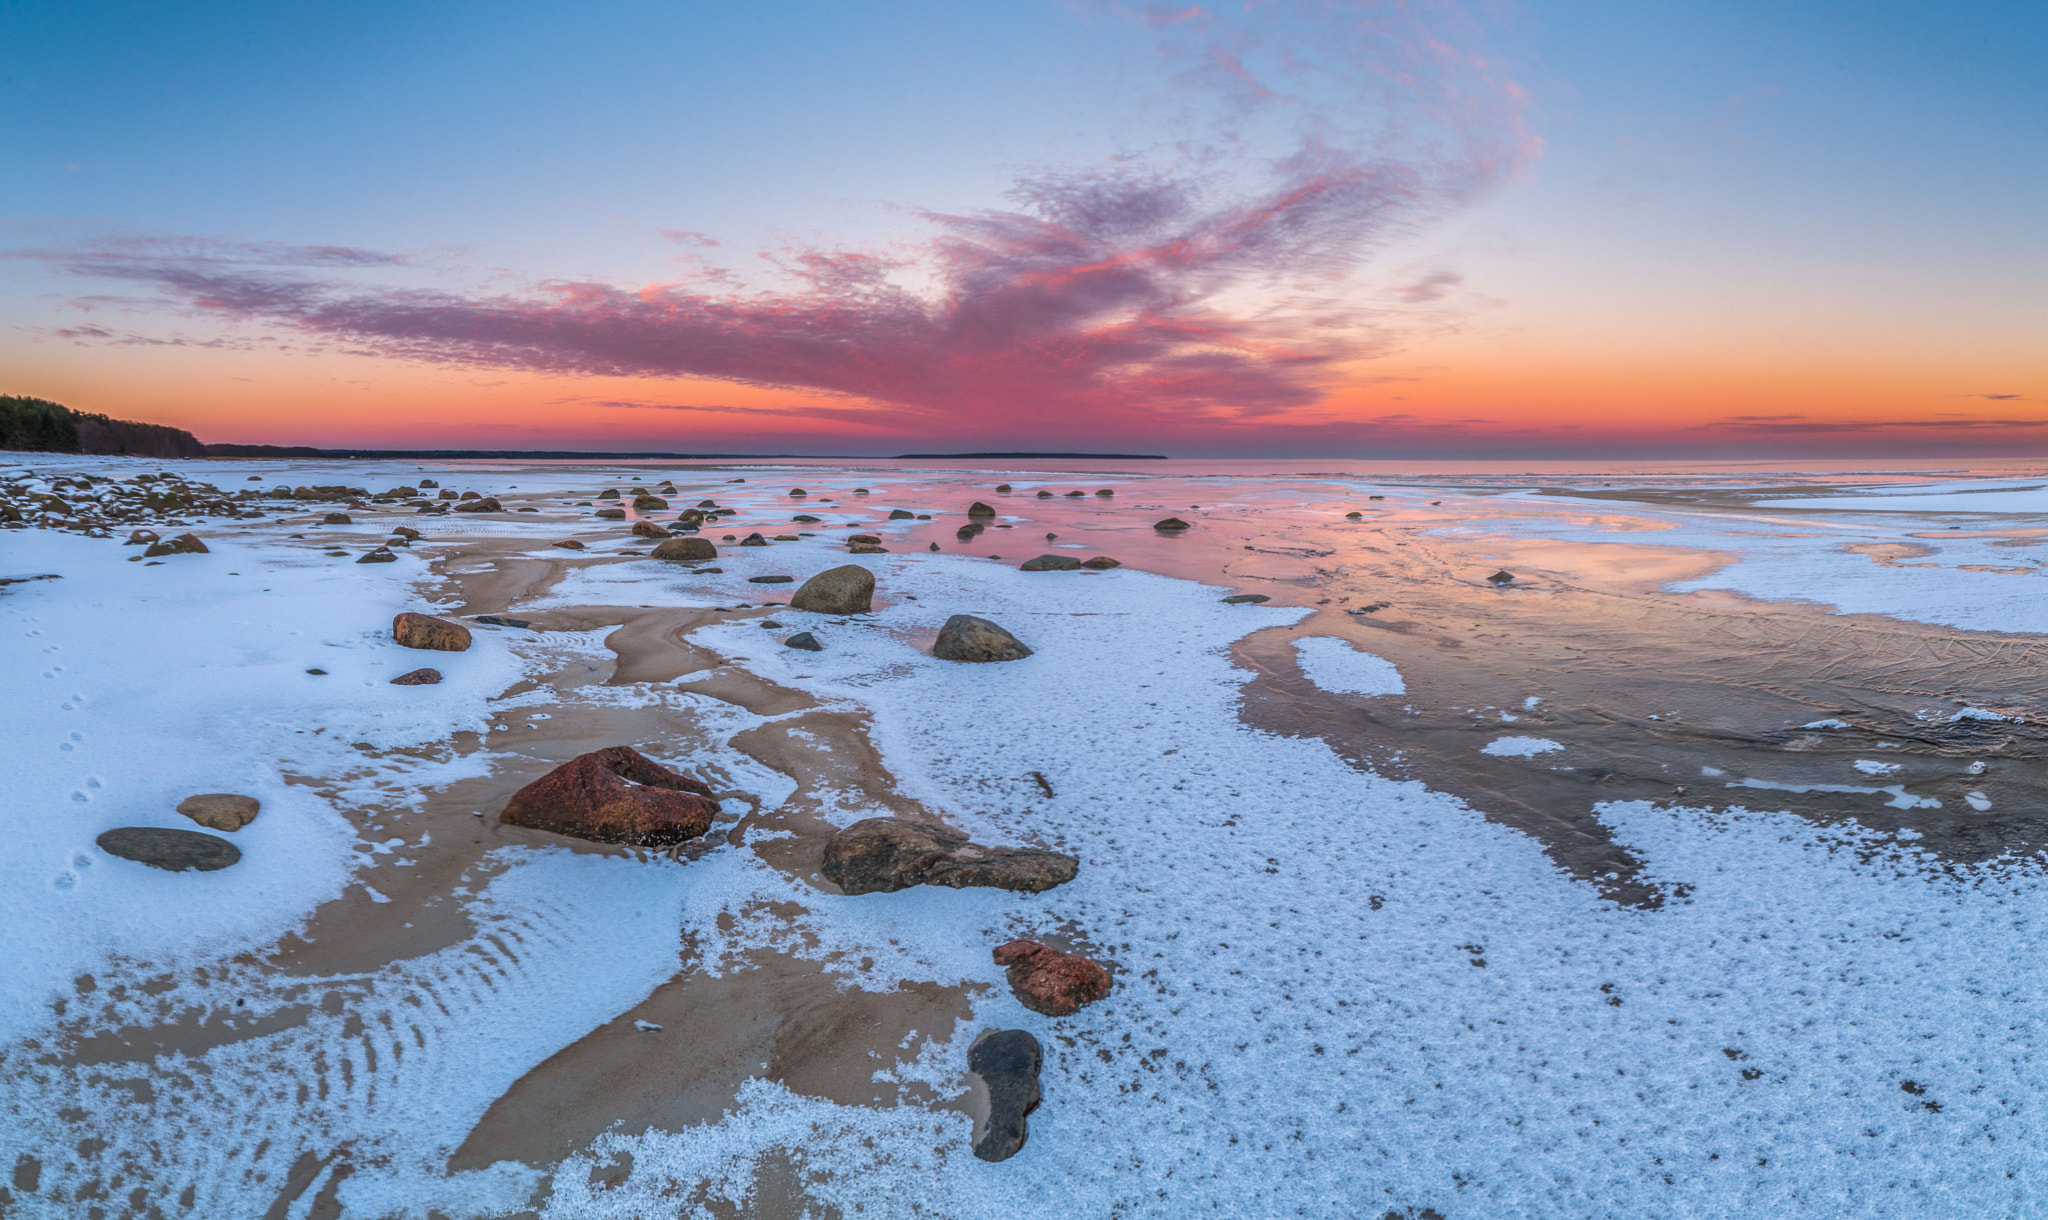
1171	525
753	540
1049	982
611	514
646	503
883	855
174	851
425	631
846	589
1051	563
183	544
978	509
688	550
648	529
1008	1062
967	638
484	504
615	795
227	811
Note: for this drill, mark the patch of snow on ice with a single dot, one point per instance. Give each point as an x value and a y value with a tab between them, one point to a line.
1519	747
1335	665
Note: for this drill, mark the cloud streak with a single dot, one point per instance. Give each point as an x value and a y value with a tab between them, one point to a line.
1210	281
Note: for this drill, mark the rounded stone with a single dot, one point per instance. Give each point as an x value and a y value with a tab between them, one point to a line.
228	811
847	589
174	851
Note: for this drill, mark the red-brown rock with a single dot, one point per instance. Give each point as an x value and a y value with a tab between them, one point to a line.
483	504
1049	982
425	631
615	795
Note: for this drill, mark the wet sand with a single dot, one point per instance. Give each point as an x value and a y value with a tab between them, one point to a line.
1642	689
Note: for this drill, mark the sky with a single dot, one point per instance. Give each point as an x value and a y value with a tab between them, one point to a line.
1553	229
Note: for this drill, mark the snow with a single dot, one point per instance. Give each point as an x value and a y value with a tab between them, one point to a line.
1337	666
1338	993
1519	747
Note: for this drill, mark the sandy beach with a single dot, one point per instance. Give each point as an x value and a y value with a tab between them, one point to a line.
1552	844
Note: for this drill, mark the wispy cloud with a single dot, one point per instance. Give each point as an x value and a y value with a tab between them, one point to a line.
1208	280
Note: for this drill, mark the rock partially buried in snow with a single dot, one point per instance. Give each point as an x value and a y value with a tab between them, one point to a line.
380	555
615	795
1051	563
804	640
1008	1062
847	589
967	638
1049	982
183	544
228	811
883	855
418	677
174	851
412	630
689	550
1171	524
1245	599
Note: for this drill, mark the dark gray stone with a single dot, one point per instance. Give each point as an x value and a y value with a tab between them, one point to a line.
1245	599
805	641
967	638
770	580
1008	1062
172	850
1051	563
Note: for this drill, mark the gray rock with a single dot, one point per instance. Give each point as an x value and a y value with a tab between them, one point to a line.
897	514
228	811
770	580
172	850
753	540
1170	525
499	620
847	589
883	855
1245	599
1008	1062
1100	563
1051	563
380	555
967	638
1502	577
805	641
978	509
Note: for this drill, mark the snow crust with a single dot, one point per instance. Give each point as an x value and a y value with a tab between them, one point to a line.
1519	747
1338	994
1336	665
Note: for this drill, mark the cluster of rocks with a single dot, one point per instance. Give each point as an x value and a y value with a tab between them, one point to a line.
95	506
178	851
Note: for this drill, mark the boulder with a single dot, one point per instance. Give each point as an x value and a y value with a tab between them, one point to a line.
141	538
448	493
806	519
425	631
1003	487
183	544
430	483
847	589
753	540
337	519
1051	563
470	495
1008	1062
406	531
883	855
688	550
227	811
967	638
1100	563
418	677
978	509
499	620
1245	599
788	538
770	580
1170	524
805	641
615	795
570	544
380	555
609	493
1049	982
1502	577
1354	516
707	504
1105	492
612	514
865	539
648	529
798	491
648	504
866	548
1045	495
897	514
485	504
171	850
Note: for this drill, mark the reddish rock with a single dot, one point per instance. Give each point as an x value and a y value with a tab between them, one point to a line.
648	529
183	544
1050	982
485	504
615	795
570	544
418	677
425	631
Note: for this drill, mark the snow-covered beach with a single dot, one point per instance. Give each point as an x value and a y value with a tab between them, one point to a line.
1347	980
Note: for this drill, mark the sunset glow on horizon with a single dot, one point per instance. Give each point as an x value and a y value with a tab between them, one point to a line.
1569	229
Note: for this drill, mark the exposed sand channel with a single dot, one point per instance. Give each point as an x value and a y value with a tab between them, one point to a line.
717	1030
